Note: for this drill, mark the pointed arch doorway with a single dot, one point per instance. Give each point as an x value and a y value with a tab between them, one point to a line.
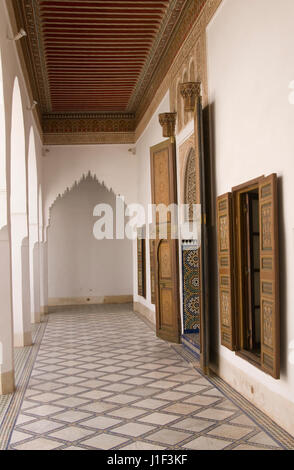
191	269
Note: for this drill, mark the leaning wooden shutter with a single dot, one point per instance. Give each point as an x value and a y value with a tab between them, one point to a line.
152	270
141	262
225	269
269	276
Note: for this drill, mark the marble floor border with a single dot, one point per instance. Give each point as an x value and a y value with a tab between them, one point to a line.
271	428
10	404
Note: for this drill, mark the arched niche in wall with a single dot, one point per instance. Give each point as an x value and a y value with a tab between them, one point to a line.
40	213
185	115
80	266
3	185
192	74
33	200
179	107
190	184
43	256
19	225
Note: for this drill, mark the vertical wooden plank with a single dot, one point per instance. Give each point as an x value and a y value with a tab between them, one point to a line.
269	276
225	270
204	179
152	270
141	261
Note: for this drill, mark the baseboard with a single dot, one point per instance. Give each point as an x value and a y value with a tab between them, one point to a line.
44	309
23	339
107	299
279	408
145	314
6	383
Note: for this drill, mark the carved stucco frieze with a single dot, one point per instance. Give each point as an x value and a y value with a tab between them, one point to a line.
193	49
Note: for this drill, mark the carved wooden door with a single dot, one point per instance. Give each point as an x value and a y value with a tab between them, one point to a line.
163	179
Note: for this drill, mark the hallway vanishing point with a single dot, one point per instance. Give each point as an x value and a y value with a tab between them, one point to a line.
98	378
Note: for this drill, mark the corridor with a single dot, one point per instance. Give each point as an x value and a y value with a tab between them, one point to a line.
98	378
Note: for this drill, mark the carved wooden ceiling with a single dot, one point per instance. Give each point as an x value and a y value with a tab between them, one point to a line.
95	58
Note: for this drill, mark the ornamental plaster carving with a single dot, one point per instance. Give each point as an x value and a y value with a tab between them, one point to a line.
193	50
89	138
189	92
168	123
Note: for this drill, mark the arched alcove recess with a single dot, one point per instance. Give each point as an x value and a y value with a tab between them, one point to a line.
190	183
184	114
82	269
41	215
3	185
183	154
192	75
19	226
6	328
179	107
43	257
33	230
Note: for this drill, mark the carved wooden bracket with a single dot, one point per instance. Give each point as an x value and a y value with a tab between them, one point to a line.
168	123
190	91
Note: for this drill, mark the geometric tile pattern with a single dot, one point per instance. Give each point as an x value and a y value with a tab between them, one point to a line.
24	359
103	380
191	290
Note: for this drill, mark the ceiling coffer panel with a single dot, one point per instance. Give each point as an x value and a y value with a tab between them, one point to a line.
95	50
91	58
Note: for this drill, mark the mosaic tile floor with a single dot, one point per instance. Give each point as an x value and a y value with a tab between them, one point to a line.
102	380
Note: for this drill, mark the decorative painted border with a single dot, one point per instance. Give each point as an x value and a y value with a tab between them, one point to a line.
89	138
168	25
28	16
192	11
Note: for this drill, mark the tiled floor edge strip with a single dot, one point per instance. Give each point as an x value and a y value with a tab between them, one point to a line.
191	349
14	406
268	425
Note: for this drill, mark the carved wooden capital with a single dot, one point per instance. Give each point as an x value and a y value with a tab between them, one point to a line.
168	123
190	91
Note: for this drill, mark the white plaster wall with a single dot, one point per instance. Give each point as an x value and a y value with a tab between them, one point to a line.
151	136
79	265
250	65
113	165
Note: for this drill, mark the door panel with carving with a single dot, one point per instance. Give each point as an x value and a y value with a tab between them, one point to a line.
163	177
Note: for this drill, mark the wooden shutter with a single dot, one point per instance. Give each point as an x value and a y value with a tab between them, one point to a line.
141	262
225	269
269	276
152	270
